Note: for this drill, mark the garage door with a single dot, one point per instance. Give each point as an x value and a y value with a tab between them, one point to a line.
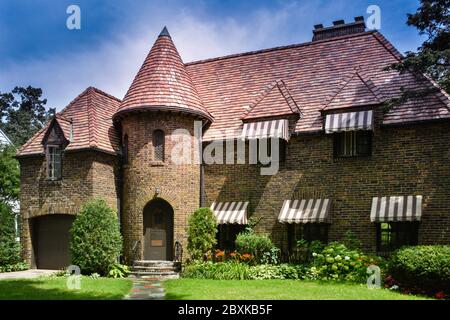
51	241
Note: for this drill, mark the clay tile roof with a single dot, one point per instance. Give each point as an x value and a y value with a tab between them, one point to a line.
275	100
312	71
162	83
355	90
86	123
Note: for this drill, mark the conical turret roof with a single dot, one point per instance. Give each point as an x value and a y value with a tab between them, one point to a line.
163	84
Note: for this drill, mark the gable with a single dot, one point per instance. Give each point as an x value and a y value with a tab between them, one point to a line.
274	101
356	90
54	134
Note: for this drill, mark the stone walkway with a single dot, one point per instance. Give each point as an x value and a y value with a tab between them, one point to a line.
146	289
27	274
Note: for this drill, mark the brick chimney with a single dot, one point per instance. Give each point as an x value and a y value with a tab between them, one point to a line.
338	29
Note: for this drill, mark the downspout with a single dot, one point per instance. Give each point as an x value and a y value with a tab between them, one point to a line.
202	168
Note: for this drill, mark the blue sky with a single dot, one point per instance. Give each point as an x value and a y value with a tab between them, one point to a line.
37	49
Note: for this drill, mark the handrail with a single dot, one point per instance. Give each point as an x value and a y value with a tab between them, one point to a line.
134	251
178	256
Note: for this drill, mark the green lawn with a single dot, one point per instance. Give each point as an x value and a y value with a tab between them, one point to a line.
52	288
185	289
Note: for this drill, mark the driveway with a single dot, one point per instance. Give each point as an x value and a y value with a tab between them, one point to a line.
27	274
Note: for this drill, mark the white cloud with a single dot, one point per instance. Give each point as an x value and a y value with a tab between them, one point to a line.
113	63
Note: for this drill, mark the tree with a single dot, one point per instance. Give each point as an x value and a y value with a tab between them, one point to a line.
23	113
96	242
9	175
9	247
433	56
202	231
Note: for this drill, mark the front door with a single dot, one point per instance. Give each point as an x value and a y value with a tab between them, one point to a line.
158	231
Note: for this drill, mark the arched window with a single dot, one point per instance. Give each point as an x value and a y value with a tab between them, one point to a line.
158	144
125	149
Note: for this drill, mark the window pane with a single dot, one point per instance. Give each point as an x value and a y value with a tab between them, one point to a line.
54	162
363	141
158	143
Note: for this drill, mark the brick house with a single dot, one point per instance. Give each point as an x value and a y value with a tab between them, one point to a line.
344	162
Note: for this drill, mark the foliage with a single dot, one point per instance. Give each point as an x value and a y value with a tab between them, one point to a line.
337	262
282	271
23	113
202	231
217	270
351	241
260	247
433	56
118	271
9	247
302	253
9	174
231	270
96	241
425	267
20	266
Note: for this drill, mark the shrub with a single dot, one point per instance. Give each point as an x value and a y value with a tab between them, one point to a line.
422	267
20	266
260	247
217	271
202	231
118	271
96	241
231	270
337	262
9	247
282	271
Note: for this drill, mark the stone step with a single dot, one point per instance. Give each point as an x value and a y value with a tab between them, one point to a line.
158	269
154	263
154	275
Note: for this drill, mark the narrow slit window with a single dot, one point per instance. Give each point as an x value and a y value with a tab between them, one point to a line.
54	162
158	144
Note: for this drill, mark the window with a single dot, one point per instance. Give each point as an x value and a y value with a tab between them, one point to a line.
226	235
308	231
158	144
353	144
54	162
393	235
125	149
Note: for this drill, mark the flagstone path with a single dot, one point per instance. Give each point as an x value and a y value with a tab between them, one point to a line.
146	289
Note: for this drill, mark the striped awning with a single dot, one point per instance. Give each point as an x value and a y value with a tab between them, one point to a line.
306	211
266	129
349	121
403	208
230	212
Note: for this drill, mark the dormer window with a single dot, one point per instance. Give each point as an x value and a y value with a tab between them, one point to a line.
54	162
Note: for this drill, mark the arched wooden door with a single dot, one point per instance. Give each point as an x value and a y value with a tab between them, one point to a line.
158	230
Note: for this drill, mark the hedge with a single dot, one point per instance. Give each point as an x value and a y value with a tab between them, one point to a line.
425	267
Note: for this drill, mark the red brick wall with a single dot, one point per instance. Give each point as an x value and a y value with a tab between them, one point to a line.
179	184
405	161
85	175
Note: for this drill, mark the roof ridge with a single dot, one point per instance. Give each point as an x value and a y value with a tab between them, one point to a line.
358	72
105	94
92	120
290	97
279	84
286	47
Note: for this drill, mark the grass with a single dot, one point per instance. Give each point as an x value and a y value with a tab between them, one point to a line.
195	289
55	288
